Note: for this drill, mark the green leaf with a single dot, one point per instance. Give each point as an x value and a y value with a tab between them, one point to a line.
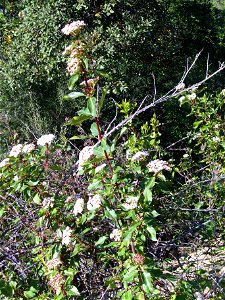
101	240
110	213
85	61
148	281
99	151
128	233
77	120
196	124
103	74
73	95
96	184
127	296
2	211
131	274
73	292
91	104
148	194
151	182
31	293
72	81
152	232
94	129
80	137
102	99
32	183
37	199
84	112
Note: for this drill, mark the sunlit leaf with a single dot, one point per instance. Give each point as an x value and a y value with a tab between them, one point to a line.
73	79
73	95
101	240
152	232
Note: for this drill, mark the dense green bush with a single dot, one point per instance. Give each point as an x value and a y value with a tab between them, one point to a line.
130	40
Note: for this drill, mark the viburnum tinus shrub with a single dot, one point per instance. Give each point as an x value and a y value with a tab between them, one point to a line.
104	226
85	231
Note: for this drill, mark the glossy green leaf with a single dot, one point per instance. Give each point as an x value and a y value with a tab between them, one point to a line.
85	62
148	194
129	232
101	240
2	211
73	292
152	232
91	104
127	296
37	199
73	79
148	281
196	124
110	213
131	274
32	183
102	99
73	95
99	151
95	184
77	120
80	137
151	182
94	129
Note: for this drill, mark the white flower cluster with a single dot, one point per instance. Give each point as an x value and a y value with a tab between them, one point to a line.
100	168
157	165
27	148
16	150
73	27
192	96
139	155
94	202
45	139
56	282
116	235
66	236
131	203
78	207
85	154
48	202
4	162
53	263
216	139
73	65
181	99
222	92
180	86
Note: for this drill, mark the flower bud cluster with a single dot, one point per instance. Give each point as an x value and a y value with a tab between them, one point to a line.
56	282
158	165
53	263
131	203
94	202
73	28
139	155
66	236
138	259
78	206
45	139
116	235
85	154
